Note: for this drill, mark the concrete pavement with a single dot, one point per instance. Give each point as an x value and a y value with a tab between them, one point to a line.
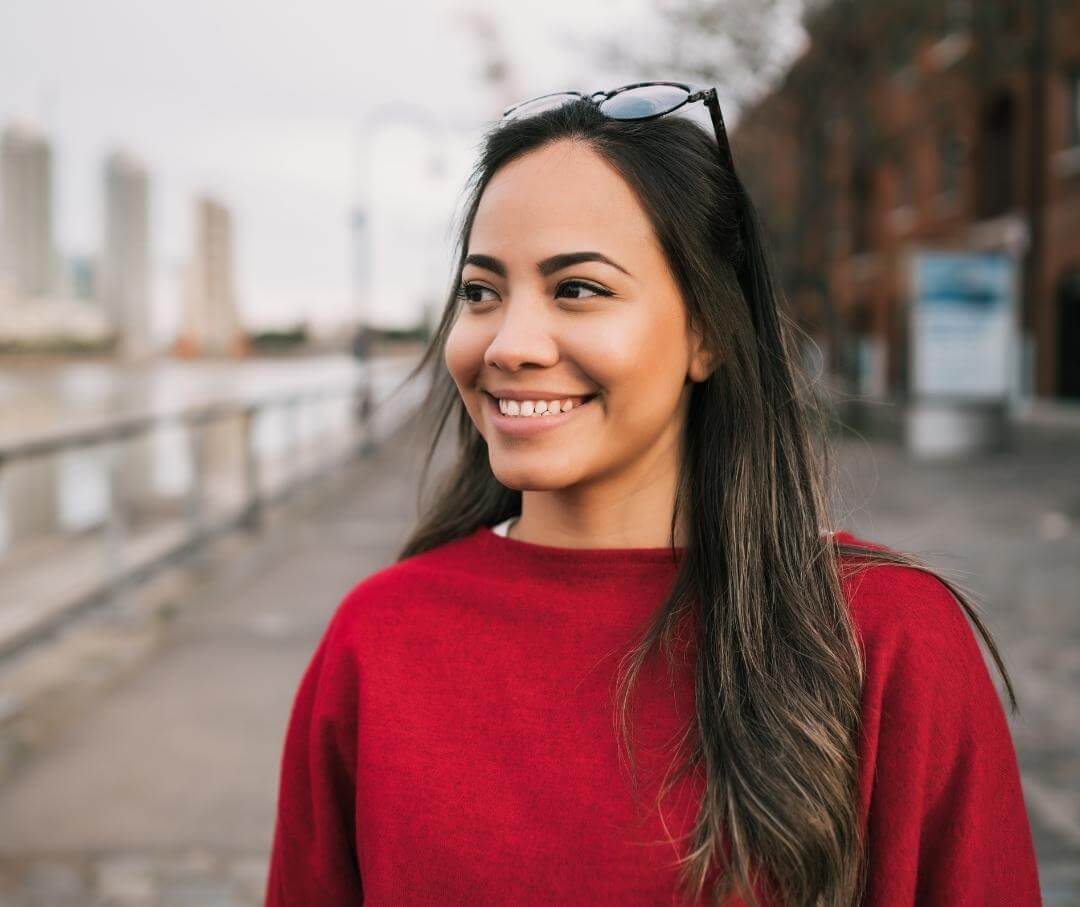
162	792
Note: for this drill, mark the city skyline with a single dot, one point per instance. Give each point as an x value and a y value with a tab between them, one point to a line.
279	141
119	279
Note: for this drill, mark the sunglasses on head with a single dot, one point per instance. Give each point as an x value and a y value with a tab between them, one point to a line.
637	101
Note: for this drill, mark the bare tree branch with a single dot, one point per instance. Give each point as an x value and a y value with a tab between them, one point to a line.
739	46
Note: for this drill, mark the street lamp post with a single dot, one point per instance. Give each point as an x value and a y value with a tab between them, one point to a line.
361	220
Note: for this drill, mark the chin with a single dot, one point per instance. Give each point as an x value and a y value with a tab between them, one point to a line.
522	476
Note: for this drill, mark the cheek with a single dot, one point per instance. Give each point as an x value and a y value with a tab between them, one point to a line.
640	362
463	353
463	356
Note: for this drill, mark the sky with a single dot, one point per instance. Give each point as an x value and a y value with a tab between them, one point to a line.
292	114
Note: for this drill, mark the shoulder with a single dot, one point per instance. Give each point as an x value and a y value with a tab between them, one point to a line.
925	676
908	620
941	798
926	679
437	576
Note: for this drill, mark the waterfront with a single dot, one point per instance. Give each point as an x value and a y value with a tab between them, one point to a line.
69	492
184	751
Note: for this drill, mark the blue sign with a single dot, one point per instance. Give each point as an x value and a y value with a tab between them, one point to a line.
963	324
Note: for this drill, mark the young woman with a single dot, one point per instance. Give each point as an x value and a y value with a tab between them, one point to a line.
623	659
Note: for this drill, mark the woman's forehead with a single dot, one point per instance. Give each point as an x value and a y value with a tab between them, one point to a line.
554	179
532	209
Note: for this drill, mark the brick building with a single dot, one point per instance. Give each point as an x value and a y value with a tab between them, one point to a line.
948	124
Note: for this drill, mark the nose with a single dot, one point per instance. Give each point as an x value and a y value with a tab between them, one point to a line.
522	338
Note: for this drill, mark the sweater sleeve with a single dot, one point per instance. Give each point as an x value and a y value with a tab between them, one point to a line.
943	805
313	858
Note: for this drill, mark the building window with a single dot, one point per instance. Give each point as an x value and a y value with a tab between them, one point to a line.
1012	20
862	207
950	165
905	182
902	216
995	158
1072	114
958	16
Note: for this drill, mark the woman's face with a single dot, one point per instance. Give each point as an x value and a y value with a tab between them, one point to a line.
534	327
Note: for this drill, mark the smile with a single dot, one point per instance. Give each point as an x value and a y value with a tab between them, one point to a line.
526	426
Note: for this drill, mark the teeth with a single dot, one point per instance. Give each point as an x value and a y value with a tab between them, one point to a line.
535	407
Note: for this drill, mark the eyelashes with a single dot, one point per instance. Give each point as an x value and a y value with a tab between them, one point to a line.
465	288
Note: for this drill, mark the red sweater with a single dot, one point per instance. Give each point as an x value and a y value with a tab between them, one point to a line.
451	741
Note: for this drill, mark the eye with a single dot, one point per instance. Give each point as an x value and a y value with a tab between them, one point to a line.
597	291
467	289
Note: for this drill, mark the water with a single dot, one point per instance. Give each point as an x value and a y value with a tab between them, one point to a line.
69	492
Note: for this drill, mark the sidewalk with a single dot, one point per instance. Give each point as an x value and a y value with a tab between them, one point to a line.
163	791
1038	419
1007	526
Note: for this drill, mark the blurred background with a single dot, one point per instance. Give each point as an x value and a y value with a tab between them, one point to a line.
225	238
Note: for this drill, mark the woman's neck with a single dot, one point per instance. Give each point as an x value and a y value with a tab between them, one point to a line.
636	517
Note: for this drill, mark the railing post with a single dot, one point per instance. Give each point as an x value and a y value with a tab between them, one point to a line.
295	447
253	510
196	500
364	410
115	530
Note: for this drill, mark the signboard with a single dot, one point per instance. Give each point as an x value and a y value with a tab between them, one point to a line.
963	324
872	380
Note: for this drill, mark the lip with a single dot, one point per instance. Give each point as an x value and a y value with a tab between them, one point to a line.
511	394
527	426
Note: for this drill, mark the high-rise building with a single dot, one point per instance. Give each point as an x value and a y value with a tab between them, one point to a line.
125	278
211	324
26	211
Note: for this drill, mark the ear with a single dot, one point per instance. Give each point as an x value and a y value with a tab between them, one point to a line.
700	358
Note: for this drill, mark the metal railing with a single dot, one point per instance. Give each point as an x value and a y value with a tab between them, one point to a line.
200	525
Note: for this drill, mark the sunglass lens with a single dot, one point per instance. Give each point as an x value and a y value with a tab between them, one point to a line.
538	105
644	101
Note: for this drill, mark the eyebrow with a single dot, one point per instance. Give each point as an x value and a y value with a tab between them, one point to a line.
546	266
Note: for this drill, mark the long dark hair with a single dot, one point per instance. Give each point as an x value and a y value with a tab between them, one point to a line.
778	673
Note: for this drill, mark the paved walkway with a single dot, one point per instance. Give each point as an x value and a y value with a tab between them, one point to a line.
1008	528
163	793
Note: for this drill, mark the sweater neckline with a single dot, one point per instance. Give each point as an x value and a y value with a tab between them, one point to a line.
511	547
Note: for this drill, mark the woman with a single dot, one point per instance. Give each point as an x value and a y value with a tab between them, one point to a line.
636	523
